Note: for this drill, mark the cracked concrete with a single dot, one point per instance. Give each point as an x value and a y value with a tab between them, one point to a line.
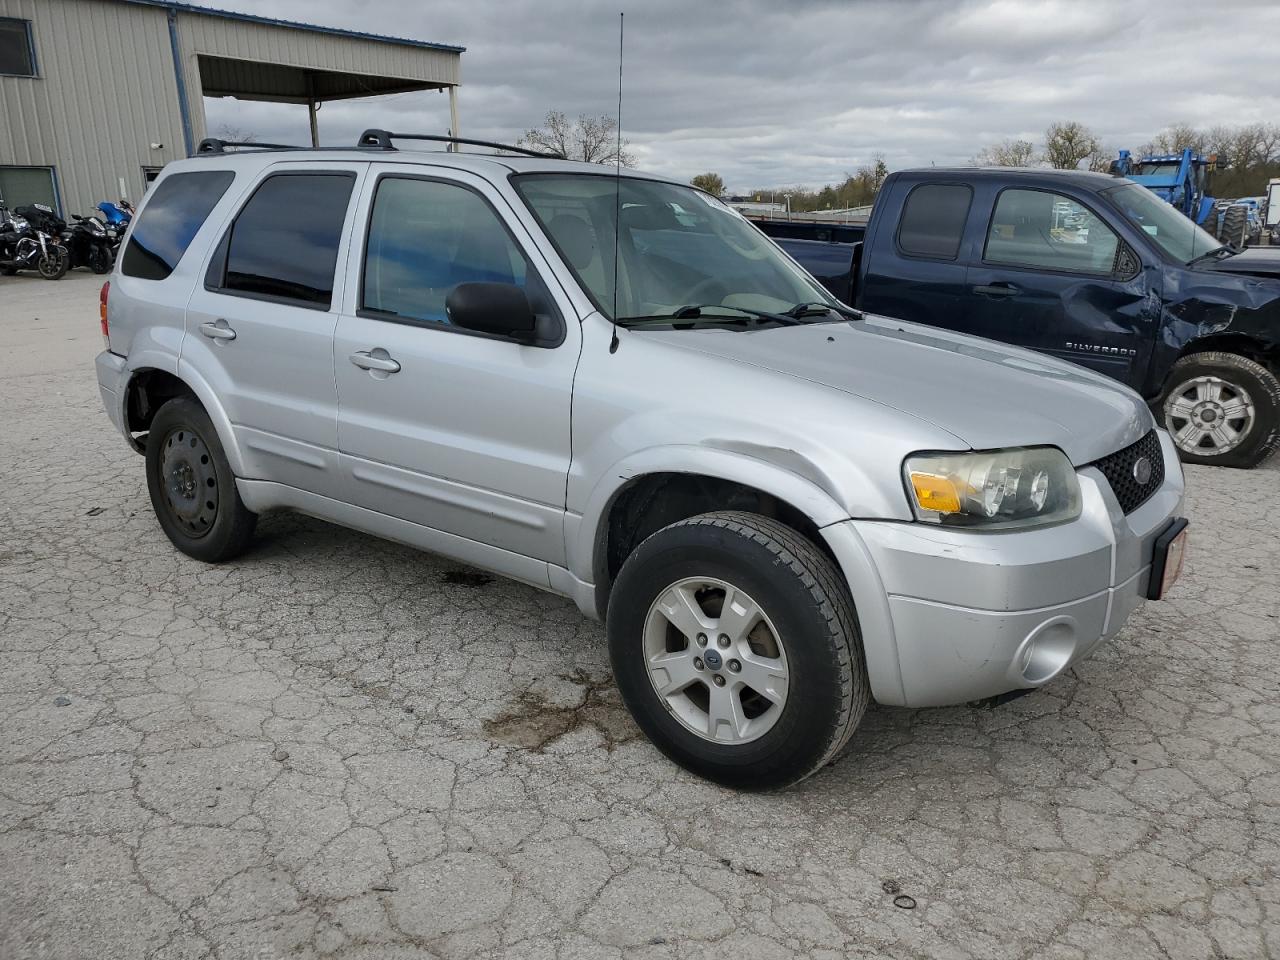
338	747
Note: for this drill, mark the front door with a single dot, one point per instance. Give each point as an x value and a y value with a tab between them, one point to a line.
1054	277
260	326
463	433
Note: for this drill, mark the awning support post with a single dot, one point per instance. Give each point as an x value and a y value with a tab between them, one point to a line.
453	113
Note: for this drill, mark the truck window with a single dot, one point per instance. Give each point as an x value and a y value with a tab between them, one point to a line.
174	212
1034	228
284	243
933	220
425	238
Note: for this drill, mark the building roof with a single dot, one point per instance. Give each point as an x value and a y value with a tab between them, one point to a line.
191	8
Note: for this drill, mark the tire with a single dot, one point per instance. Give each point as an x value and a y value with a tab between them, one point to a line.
99	259
1204	390
187	471
1235	225
54	266
808	621
9	271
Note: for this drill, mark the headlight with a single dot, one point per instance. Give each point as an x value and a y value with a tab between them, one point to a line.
998	489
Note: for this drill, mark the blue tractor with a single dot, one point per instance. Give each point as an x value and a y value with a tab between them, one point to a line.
1182	180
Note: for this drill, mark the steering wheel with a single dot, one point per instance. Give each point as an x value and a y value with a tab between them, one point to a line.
703	291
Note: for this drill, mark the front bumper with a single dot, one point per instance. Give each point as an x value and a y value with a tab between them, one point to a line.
950	615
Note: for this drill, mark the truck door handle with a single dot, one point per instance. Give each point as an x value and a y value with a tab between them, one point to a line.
217	330
376	359
997	290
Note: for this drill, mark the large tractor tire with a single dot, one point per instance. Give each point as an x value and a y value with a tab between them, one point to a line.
1235	226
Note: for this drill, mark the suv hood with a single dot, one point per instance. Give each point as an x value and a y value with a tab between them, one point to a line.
1254	261
986	394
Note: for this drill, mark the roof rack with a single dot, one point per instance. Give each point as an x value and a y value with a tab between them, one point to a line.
381	140
214	145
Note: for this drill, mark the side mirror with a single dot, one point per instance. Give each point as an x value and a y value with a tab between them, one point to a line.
501	309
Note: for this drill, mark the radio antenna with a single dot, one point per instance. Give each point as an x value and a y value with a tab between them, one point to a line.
617	191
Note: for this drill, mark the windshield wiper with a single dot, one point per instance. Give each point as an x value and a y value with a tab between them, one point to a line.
1228	250
698	312
813	308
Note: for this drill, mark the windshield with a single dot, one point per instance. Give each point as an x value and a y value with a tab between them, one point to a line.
677	247
1174	233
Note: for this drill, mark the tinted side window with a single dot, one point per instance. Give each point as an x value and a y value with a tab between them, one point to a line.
284	243
425	238
1038	229
933	220
174	212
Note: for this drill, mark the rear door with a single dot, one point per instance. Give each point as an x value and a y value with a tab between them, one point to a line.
260	325
914	269
1053	276
461	432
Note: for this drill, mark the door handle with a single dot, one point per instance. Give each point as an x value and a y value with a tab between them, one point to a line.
217	330
997	290
376	359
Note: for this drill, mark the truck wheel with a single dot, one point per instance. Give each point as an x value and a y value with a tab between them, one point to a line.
1222	409
193	490
1235	225
735	645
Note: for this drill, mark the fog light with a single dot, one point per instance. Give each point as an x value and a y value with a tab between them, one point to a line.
1045	652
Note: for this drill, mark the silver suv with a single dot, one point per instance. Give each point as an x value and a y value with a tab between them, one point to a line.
618	390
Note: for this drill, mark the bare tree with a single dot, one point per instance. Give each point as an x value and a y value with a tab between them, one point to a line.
593	139
1066	144
1007	153
1176	138
710	182
234	134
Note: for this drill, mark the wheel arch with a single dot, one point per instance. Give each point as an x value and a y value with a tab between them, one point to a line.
660	487
1242	344
156	378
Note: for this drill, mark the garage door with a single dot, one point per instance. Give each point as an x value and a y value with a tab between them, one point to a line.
24	185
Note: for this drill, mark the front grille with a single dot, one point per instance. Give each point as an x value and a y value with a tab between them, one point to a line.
1118	469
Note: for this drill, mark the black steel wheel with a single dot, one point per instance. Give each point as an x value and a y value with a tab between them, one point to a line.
193	490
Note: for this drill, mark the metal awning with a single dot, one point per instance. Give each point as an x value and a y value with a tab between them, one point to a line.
281	83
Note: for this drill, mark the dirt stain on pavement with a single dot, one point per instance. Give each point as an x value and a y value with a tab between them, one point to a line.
532	722
466	578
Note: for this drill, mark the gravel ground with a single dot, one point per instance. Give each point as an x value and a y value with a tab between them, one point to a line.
336	746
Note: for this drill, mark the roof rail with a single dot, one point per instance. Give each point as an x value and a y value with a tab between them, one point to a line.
214	145
381	140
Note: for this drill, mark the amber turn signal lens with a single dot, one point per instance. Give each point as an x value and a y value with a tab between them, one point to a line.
935	493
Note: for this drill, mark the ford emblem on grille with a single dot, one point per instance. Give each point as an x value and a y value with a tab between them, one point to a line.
1142	470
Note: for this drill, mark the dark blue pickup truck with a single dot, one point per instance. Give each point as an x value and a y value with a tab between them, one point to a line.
1088	267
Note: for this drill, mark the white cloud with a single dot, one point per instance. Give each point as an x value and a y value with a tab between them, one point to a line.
800	93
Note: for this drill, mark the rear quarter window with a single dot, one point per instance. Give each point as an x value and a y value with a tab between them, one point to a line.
933	220
169	221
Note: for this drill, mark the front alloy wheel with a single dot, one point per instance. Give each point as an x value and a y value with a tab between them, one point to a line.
1222	409
1209	416
716	660
735	646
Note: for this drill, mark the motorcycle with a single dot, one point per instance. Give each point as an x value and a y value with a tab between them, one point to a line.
116	216
23	247
86	239
87	242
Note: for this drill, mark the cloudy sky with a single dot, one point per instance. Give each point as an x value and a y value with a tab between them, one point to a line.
771	93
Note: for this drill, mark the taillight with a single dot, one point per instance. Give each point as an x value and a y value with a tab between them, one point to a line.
102	311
